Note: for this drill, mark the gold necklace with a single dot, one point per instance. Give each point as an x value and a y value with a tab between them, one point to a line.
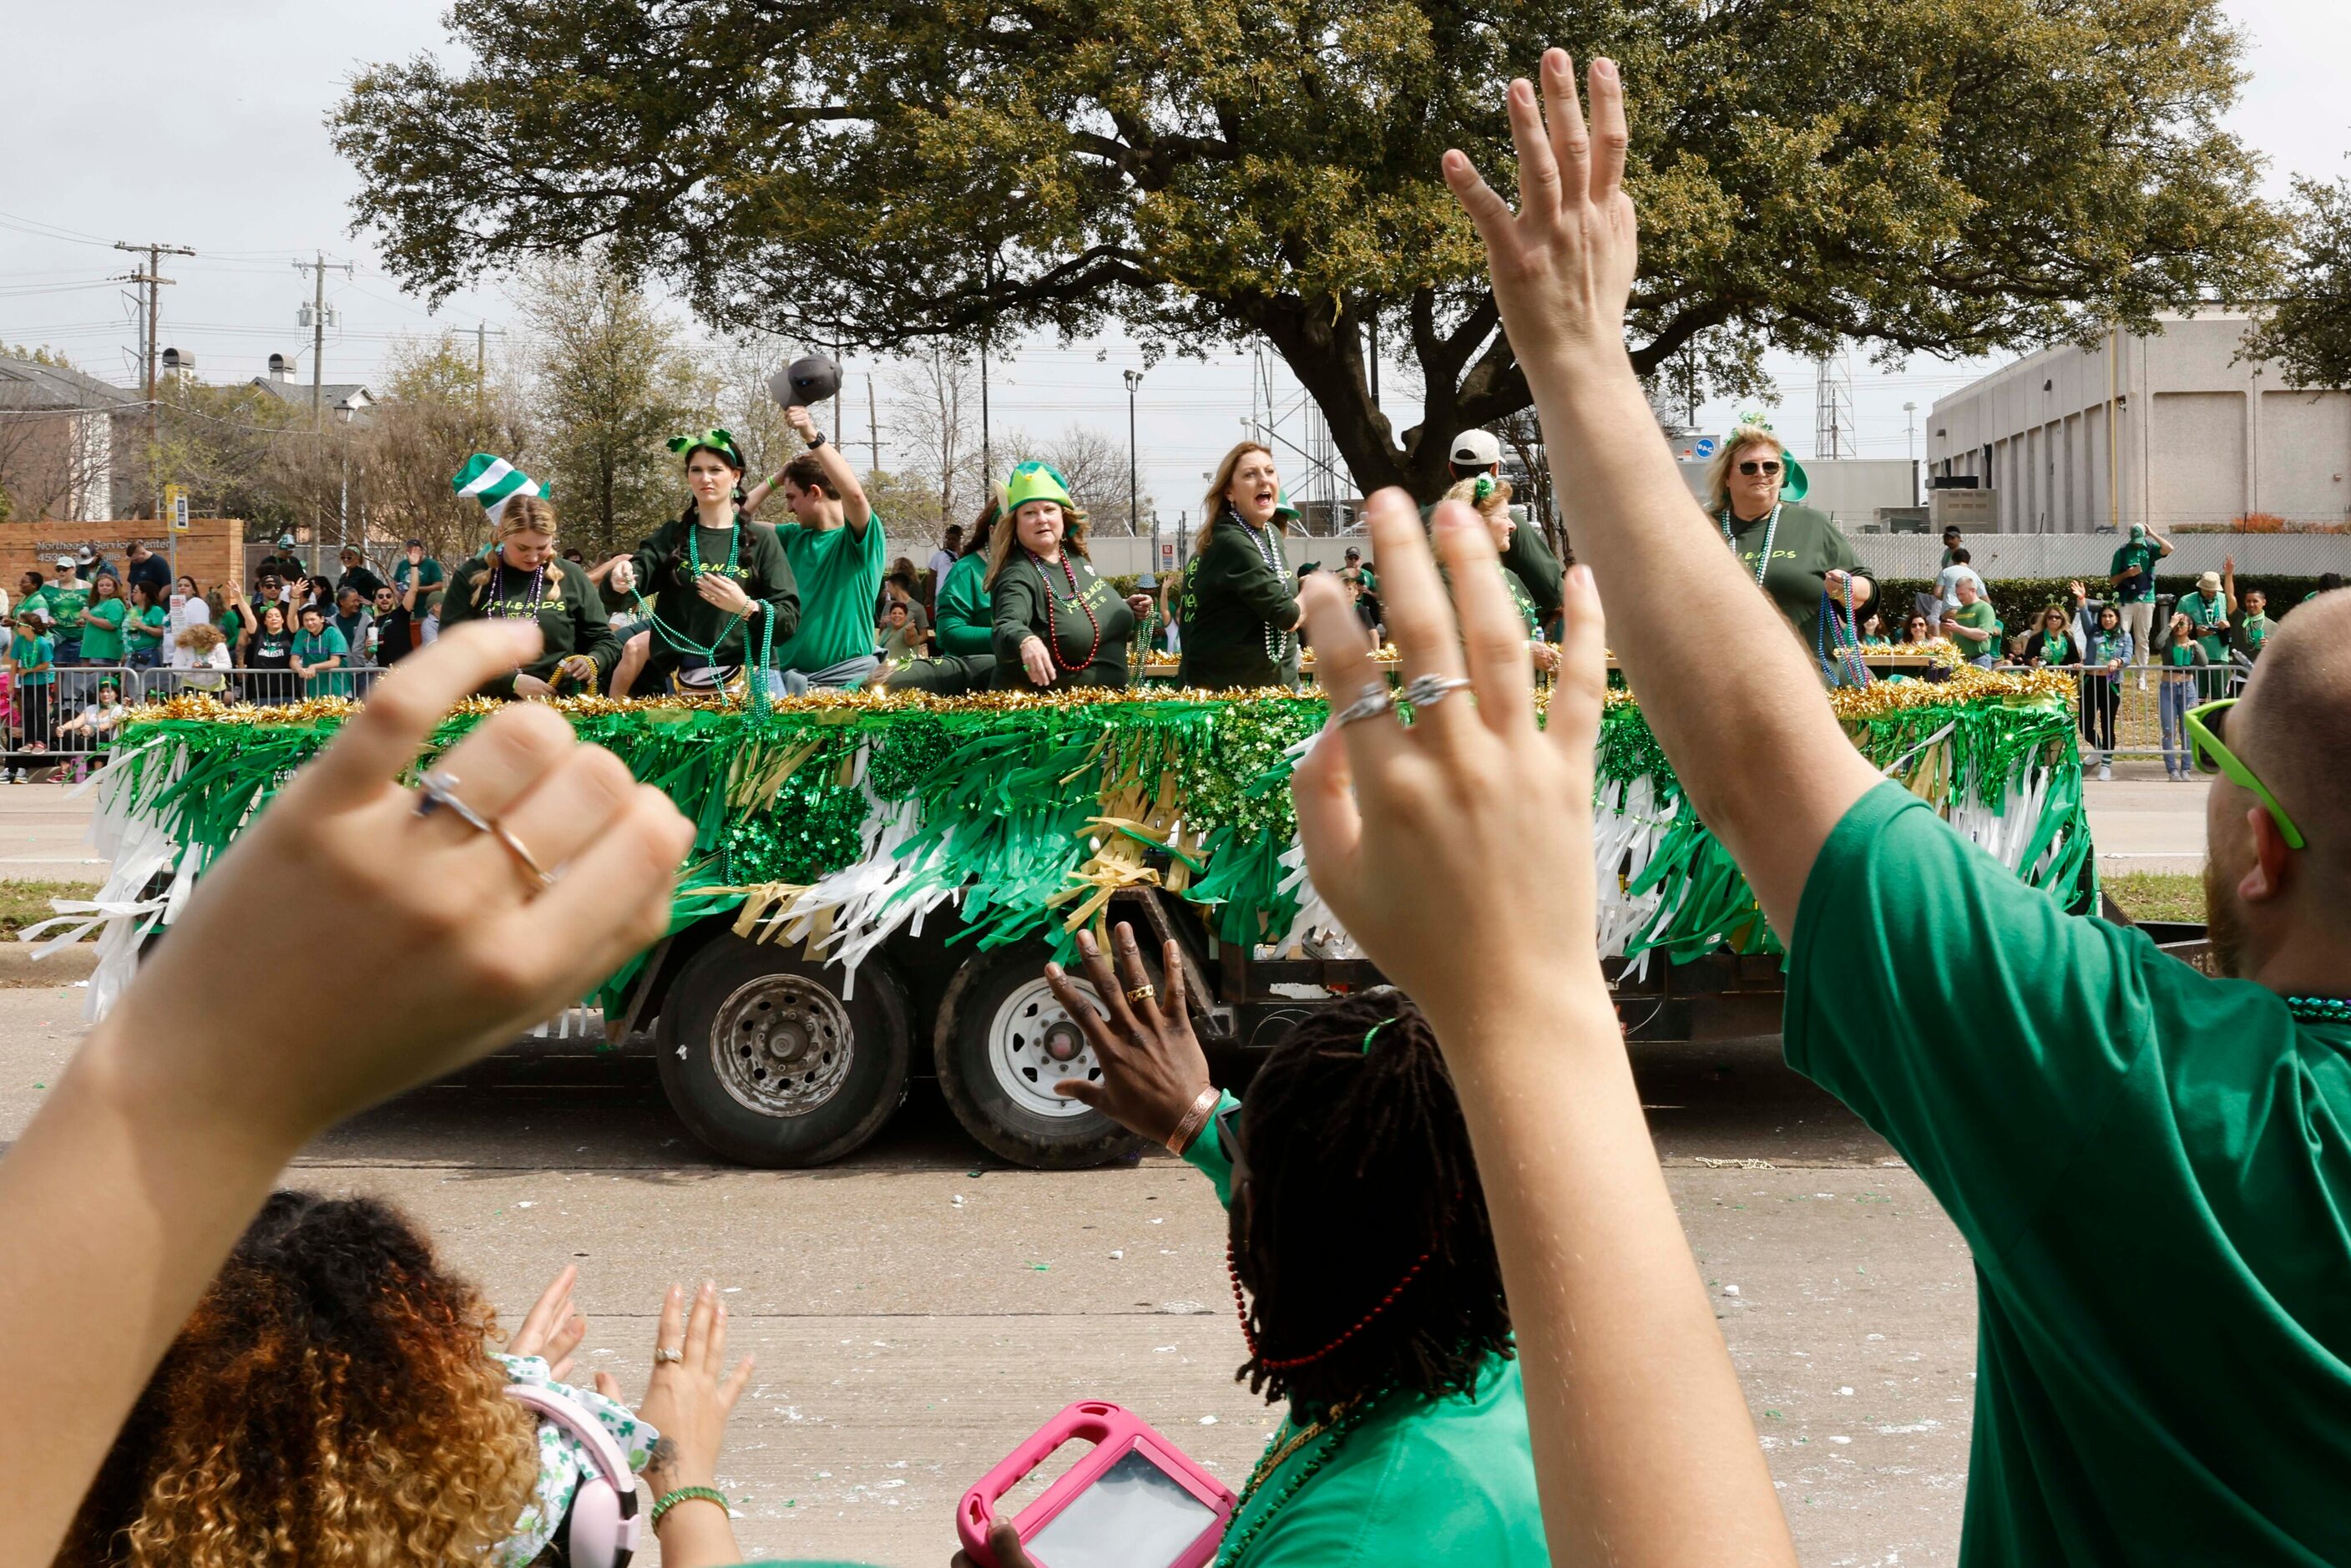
1272	1461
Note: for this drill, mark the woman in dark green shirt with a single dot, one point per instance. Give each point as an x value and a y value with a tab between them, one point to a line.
1240	603
962	658
521	577
722	593
1795	554
1056	624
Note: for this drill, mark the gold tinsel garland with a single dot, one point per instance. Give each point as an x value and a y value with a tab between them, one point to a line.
1968	684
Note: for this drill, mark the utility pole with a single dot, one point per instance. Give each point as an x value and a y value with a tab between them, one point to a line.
318	325
872	426
1133	490
154	279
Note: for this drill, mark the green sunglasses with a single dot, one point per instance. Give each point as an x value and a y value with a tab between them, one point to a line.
2204	726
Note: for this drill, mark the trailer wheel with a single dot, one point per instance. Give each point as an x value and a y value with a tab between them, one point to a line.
768	1064
1002	1043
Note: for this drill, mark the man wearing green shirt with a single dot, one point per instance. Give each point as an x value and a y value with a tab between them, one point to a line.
2150	1166
838	555
1973	626
2206	610
2131	573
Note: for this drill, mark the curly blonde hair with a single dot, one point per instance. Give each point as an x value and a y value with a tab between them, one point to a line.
1494	504
330	1403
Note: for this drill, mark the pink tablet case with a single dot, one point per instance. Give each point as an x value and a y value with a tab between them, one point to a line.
1115	1433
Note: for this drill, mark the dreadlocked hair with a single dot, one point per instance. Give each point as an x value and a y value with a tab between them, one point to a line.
331	1401
1360	1166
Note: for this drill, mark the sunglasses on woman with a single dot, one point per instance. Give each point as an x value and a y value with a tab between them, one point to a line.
1767	467
2205	725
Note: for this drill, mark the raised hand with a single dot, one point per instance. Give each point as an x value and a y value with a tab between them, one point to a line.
1562	263
553	1328
691	1393
804	423
1153	1069
1485	817
343	856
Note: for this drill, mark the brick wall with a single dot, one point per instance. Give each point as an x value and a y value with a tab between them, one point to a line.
212	551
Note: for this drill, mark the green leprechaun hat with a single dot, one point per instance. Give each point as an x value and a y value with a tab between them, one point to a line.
1035	481
493	481
1793	481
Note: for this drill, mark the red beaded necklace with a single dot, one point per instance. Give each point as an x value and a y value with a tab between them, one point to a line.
1052	631
1240	1304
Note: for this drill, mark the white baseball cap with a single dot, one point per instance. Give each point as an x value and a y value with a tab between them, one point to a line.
1474	449
65	561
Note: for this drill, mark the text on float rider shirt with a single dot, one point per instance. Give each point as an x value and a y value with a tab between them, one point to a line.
1240	608
567	606
1024	592
1806	548
759	567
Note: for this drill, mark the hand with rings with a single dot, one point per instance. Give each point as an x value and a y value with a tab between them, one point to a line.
443	887
1153	1073
690	1394
1469	791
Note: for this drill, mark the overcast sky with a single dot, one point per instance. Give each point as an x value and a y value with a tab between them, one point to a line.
202	125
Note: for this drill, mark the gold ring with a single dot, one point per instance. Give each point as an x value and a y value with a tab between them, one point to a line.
523	857
1142	993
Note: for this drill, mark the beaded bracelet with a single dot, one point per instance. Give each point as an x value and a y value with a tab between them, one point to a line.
677	1495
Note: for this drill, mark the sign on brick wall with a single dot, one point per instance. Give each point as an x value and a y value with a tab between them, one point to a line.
212	551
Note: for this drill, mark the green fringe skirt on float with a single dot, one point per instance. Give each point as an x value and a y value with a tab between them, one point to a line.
837	818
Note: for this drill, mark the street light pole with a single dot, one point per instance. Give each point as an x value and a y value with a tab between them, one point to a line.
1133	489
1910	445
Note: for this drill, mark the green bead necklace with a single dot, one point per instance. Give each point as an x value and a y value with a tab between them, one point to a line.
1338	1425
679	639
2320	1009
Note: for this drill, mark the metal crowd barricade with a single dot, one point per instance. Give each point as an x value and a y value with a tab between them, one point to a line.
263	688
56	722
2138	697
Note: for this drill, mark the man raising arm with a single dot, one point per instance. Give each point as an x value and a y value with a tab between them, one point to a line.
2088	1109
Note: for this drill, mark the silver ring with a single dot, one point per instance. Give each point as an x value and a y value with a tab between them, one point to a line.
439	789
1375	700
523	856
664	1353
1427	691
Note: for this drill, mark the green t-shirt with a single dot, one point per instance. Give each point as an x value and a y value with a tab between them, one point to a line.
66	605
1439	1484
104	644
144	629
1981	616
839	573
327	644
1806	548
2151	1169
26	652
2135	553
427	573
2210	619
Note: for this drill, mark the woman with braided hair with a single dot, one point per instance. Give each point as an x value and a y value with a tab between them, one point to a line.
521	578
1363	1269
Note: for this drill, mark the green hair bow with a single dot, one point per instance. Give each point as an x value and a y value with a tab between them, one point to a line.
716	440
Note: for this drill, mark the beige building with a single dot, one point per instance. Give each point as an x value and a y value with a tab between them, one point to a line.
2169	428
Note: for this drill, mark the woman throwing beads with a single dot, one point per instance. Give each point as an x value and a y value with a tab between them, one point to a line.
1056	623
521	577
1795	553
1240	602
722	594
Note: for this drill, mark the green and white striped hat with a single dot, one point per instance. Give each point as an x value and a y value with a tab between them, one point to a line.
491	480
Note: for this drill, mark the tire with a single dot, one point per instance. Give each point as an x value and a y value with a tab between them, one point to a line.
999	1043
809	1077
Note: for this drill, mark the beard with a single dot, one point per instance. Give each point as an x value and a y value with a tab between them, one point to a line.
2224	935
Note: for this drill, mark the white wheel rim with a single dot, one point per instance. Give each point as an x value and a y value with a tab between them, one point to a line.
1033	1043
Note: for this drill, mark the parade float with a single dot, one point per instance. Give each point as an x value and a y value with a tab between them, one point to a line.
876	879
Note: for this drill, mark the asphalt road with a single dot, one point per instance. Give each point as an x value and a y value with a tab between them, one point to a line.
918	1308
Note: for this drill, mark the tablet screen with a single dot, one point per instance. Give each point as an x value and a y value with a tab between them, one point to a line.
1135	1515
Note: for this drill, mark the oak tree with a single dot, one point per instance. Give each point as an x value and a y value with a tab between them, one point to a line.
1944	176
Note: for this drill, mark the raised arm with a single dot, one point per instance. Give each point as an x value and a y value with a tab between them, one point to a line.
2229	584
855	510
1562	267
